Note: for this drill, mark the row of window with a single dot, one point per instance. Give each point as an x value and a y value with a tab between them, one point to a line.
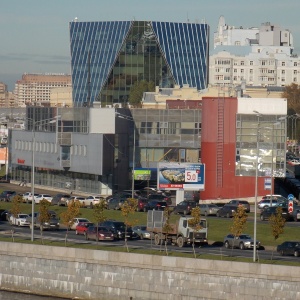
46	147
242	63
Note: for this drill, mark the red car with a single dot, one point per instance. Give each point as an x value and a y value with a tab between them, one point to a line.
82	227
104	234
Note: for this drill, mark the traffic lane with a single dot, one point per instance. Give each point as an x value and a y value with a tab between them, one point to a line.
216	249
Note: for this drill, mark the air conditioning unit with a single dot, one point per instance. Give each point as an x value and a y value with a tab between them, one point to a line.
108	106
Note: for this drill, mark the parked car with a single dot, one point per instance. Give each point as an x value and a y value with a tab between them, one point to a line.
141	202
185	207
227	211
51	224
25	196
61	199
243	203
296	213
29	197
4	196
4	215
156	205
289	248
141	231
118	229
96	200
19	220
76	221
160	197
209	209
41	197
243	241
267	212
266	201
115	203
82	227
100	233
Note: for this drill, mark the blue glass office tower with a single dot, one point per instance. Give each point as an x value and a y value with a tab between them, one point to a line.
107	58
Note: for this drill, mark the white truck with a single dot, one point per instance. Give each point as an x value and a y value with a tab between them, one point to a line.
180	234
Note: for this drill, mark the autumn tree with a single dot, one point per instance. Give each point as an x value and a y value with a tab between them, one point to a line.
44	215
137	90
98	213
167	228
238	222
128	208
68	216
292	93
194	223
277	223
15	209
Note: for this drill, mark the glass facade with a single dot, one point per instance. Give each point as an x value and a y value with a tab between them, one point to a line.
264	136
107	58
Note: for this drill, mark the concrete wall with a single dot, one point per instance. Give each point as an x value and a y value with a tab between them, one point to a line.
92	274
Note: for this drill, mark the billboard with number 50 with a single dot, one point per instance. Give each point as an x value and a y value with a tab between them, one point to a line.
174	176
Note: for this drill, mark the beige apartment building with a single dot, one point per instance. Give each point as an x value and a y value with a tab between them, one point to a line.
6	97
35	89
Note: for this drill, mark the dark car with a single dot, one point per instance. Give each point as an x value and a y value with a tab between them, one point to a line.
115	203
5	195
185	207
269	211
60	199
227	211
289	248
155	205
118	229
160	197
100	233
4	215
243	203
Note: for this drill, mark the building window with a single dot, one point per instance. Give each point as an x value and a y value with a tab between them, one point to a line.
242	63
295	64
251	62
235	70
251	71
242	70
282	71
283	64
295	71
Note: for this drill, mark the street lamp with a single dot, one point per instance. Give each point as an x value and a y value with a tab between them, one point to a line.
34	123
256	185
128	118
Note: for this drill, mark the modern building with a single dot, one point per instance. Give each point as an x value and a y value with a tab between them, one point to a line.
257	56
108	58
34	89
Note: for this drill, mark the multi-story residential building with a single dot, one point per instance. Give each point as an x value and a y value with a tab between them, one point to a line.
257	56
34	89
6	98
108	58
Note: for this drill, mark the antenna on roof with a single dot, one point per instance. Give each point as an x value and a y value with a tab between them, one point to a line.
187	17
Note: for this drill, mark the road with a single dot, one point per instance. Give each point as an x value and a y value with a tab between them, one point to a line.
216	249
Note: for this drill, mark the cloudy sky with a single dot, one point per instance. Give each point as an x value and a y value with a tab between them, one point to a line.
34	34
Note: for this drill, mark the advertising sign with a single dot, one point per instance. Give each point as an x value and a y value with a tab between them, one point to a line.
142	174
174	176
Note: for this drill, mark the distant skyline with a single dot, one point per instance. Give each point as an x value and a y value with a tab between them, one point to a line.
35	34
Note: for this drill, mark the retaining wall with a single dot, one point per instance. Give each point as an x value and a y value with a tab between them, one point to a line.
95	274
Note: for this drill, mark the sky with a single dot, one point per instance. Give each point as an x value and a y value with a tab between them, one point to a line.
34	34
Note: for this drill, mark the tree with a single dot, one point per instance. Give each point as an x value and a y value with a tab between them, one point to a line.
129	207
15	209
194	223
137	90
167	228
292	93
239	222
44	215
68	216
98	213
277	223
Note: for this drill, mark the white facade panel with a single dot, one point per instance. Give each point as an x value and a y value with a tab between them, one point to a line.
265	106
102	120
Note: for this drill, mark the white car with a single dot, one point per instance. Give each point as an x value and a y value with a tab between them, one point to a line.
40	197
94	200
27	197
76	221
20	220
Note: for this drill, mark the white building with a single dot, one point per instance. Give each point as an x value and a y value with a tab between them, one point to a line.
256	56
34	89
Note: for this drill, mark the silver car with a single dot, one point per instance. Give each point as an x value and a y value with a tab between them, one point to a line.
244	241
209	209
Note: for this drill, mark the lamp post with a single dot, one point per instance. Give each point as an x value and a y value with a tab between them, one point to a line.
34	123
256	186
128	118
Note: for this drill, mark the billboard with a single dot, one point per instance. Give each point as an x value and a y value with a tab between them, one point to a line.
174	176
142	174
